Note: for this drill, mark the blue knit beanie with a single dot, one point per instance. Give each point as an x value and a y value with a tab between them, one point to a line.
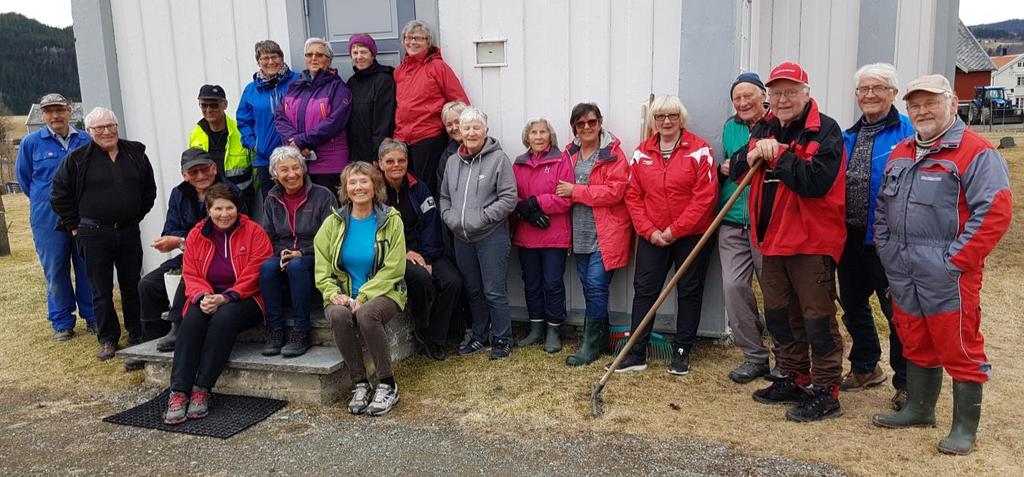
748	77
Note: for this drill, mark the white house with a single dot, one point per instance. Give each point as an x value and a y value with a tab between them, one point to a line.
147	59
1009	73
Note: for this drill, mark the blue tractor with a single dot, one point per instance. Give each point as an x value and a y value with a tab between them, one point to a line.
989	106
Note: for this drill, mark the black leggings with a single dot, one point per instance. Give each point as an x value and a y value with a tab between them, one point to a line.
204	342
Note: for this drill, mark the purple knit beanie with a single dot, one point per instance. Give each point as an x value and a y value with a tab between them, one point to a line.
364	39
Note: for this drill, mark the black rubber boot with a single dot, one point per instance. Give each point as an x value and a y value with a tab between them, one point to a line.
536	335
166	343
923	386
595	339
552	342
966	414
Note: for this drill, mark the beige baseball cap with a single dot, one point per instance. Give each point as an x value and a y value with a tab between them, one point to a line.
930	83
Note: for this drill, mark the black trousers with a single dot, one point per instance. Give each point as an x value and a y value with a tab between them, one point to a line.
423	158
861	274
106	249
204	342
433	297
153	301
330	181
653	264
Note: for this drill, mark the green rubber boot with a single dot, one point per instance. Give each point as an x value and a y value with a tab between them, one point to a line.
595	339
553	341
966	414
923	386
536	335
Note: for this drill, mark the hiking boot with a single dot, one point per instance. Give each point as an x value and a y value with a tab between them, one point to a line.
298	343
176	407
923	387
552	342
595	336
199	404
63	335
166	343
777	374
91	328
428	348
134	364
680	362
821	403
360	398
899	399
106	352
474	346
966	414
274	343
536	335
501	350
854	382
384	398
748	371
630	363
784	391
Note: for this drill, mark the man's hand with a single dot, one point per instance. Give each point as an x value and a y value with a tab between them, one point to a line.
167	243
414	257
768	150
564	189
724	168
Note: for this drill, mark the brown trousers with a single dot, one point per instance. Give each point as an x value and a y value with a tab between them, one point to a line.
368	324
800	313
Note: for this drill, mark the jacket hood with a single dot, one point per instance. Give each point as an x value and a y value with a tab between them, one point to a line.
263	82
551	154
490	145
374	69
609	142
321	78
430	54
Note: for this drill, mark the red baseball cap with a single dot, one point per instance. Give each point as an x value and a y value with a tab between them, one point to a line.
788	70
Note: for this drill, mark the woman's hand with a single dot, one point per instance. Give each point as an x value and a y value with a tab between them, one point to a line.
287	256
340	299
354	304
211	303
564	189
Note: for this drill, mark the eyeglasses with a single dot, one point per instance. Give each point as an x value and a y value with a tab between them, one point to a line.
104	128
205	106
587	123
877	90
932	105
416	38
268	58
788	94
316	54
662	117
199	170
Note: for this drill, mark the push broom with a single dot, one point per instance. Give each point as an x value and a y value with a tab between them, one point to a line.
596	403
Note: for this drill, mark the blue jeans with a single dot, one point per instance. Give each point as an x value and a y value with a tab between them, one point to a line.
57	254
484	268
542	280
299	276
595	280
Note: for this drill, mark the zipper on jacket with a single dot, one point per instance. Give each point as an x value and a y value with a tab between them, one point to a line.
465	197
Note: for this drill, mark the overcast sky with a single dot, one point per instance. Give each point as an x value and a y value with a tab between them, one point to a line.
973	12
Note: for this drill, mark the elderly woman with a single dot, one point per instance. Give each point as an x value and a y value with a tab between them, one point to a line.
360	262
671	198
477	194
373	99
220	266
601	234
450	115
424	83
314	113
868	145
542	231
255	113
292	214
433	281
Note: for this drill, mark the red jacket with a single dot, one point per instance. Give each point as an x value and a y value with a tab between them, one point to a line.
681	193
249	248
537	175
423	84
604	194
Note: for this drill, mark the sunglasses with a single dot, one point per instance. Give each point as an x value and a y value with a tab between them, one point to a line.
587	123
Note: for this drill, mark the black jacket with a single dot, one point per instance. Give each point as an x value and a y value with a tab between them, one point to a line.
70	177
373	110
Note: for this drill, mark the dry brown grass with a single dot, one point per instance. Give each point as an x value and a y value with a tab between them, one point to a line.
534	393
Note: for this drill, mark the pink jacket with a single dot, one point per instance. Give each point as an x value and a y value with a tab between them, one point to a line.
538	175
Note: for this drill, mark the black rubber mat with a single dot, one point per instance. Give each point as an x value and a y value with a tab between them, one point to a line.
229	415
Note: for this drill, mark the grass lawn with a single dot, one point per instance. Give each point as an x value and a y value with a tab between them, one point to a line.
534	393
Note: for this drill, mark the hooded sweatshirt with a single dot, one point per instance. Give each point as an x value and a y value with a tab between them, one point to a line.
478	192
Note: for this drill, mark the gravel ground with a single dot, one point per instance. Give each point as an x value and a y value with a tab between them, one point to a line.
42	434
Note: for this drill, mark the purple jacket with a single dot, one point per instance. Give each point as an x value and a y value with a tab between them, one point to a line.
314	112
538	175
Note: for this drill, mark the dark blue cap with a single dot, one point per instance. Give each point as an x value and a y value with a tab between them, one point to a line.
748	77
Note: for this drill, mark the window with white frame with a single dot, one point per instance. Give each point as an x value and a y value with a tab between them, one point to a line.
1020	80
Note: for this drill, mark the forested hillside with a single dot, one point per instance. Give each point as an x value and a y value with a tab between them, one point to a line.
35	59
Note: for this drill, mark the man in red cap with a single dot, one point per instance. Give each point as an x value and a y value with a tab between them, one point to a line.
797	215
944	205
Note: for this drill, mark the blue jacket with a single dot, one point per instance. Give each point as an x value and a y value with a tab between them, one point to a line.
38	157
897	128
428	242
184	210
255	115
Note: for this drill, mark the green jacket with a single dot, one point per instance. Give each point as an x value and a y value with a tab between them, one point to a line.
237	159
388	271
735	136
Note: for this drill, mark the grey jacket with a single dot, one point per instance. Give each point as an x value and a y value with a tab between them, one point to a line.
297	235
478	193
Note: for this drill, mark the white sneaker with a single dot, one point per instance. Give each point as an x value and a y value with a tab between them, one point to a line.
360	398
384	399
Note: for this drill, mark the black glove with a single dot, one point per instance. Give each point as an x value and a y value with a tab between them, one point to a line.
538	219
526	207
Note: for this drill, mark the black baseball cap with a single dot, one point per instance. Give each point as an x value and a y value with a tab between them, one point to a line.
211	91
194	156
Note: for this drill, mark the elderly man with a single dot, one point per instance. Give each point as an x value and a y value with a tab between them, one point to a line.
944	204
740	258
38	157
868	144
218	134
100	193
796	216
184	209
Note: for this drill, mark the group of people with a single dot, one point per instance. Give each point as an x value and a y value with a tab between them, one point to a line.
387	193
